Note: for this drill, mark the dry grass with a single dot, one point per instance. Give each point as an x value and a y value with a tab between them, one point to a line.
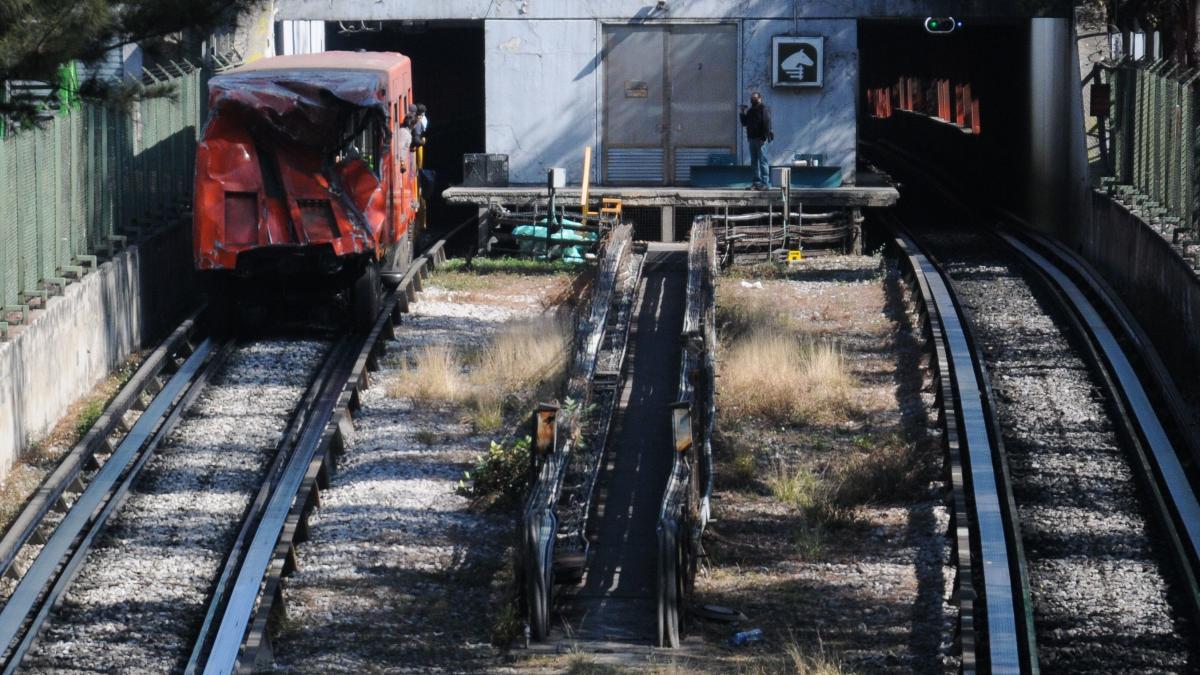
820	663
524	361
434	373
887	470
525	355
818	498
785	379
742	311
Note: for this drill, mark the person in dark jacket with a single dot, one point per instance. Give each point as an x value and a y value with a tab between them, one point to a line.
757	120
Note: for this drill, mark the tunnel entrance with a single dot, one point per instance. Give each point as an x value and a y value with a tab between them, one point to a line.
960	102
448	77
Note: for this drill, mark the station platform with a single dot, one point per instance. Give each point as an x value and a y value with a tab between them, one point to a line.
880	195
666	213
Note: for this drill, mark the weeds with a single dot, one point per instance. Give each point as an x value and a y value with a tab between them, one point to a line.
434	374
809	539
87	417
796	486
527	357
891	470
523	362
486	414
487	273
786	380
508	624
507	265
425	437
819	663
501	471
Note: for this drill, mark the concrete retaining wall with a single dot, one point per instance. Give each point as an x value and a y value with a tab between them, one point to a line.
1154	281
82	335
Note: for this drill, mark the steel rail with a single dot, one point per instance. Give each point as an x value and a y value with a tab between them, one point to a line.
67	476
1002	640
306	411
240	637
59	561
1152	421
243	594
1151	440
606	388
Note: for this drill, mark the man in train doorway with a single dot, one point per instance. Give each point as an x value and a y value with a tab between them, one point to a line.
757	120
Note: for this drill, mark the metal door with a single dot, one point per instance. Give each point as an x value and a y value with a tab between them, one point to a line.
702	74
670	100
635	104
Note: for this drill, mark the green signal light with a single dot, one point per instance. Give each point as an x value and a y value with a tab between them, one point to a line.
941	24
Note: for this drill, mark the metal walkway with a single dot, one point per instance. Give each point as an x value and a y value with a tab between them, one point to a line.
617	602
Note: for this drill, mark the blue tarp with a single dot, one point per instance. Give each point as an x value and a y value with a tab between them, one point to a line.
563	244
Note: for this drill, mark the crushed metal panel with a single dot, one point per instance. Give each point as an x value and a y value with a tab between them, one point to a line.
284	143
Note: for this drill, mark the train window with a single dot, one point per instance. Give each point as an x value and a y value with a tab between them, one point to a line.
364	139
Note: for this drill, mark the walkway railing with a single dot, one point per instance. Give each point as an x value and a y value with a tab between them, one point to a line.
554	449
685	505
82	183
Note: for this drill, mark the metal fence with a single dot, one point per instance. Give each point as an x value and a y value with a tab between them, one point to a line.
82	182
1154	136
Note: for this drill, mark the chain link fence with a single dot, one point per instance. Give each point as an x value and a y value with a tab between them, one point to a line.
1154	143
82	183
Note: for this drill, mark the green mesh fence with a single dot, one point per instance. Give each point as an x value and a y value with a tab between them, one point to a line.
1154	137
89	175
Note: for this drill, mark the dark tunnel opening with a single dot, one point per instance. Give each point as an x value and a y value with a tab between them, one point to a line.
451	87
958	103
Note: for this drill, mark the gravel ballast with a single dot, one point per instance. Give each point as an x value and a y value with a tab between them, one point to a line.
144	586
1099	578
398	573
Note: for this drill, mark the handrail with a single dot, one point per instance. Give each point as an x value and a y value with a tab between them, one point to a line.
685	506
539	524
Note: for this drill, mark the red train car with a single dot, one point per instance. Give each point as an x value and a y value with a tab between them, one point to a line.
306	179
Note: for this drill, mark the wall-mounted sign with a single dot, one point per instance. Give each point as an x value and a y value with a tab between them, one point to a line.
636	89
798	61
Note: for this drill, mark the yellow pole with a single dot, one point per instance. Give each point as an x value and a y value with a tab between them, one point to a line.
587	175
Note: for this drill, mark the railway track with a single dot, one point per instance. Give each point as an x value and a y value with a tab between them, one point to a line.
1094	447
160	542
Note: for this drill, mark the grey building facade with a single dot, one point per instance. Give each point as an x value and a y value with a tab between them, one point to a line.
653	86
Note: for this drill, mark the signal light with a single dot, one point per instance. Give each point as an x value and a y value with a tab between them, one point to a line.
941	24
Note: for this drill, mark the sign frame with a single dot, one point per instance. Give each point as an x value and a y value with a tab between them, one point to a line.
780	51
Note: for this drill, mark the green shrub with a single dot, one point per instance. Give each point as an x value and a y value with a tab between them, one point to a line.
502	471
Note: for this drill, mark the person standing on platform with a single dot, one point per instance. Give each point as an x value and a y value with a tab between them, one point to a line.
757	120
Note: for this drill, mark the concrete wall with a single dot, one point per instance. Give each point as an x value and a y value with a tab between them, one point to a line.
542	92
1157	285
820	120
434	10
83	334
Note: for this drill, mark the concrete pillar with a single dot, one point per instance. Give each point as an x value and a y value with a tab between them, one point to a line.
1057	154
668	223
